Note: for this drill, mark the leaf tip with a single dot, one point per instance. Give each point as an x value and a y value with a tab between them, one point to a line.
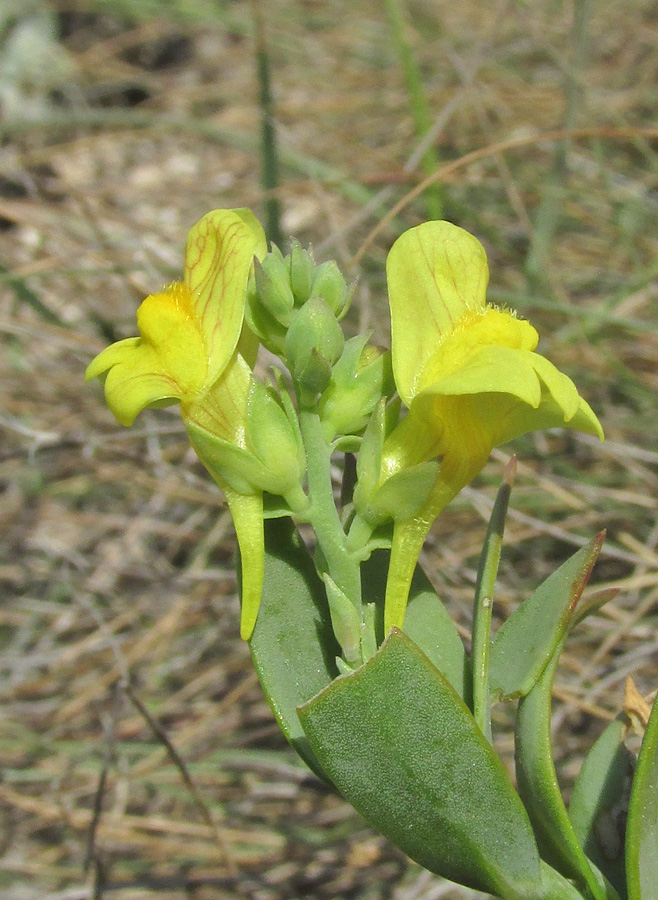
510	472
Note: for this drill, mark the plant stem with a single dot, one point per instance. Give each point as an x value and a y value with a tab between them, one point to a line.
341	565
486	579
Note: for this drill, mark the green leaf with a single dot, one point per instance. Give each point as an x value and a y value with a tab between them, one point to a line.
293	645
528	639
642	830
427	622
599	800
538	785
402	747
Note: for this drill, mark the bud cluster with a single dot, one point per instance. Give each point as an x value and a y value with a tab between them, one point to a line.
294	307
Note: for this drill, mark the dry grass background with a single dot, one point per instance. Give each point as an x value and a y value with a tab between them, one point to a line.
123	122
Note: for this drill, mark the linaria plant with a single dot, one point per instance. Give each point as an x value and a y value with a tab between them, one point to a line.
363	667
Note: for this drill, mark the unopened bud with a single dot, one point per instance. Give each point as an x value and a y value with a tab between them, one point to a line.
272	286
302	272
330	285
313	343
361	376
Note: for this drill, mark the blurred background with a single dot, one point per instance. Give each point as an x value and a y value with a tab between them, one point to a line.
139	758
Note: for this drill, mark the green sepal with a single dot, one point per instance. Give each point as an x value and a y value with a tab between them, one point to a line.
275	507
302	272
369	460
403	495
262	323
539	789
293	645
239	468
642	828
528	639
346	621
427	622
348	443
598	804
272	286
360	377
401	746
329	284
274	439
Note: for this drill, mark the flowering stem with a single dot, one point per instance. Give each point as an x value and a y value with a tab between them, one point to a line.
341	565
486	579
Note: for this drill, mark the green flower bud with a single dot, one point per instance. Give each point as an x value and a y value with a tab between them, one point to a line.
302	272
331	286
361	376
313	377
313	343
272	286
267	329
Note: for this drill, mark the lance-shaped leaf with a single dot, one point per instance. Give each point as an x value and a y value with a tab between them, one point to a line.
538	785
529	638
599	802
402	747
642	830
293	645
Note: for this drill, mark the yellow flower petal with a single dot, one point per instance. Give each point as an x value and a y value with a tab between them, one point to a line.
489	327
436	274
222	410
496	370
135	379
219	255
171	338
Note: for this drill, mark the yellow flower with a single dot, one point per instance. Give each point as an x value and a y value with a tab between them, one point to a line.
192	350
468	374
190	330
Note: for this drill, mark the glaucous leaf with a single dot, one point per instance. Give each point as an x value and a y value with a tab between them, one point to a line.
599	803
427	622
400	744
642	829
528	639
539	789
293	645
